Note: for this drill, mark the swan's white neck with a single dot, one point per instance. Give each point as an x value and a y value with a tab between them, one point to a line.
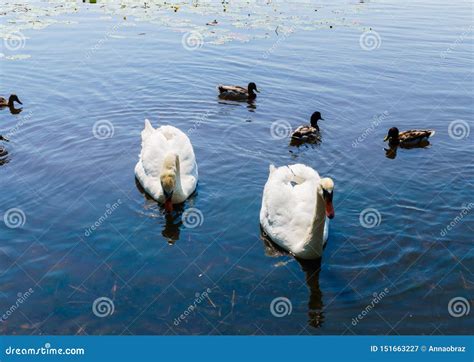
317	232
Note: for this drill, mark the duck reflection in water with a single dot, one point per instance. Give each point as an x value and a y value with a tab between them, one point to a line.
173	220
391	151
4	159
312	269
251	105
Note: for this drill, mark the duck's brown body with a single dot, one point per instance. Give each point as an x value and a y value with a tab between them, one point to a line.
306	133
414	136
408	138
237	93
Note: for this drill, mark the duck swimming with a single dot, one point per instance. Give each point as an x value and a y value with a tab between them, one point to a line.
308	133
238	93
414	137
10	102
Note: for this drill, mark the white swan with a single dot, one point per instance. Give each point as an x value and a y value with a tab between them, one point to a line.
295	207
167	168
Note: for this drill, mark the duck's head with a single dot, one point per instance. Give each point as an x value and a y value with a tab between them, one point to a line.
13	98
315	117
168	179
252	87
392	135
326	187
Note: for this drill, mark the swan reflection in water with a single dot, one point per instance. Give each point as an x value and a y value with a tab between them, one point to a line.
173	220
391	151
312	269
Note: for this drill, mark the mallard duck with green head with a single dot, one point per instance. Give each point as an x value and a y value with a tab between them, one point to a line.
413	137
10	102
238	93
309	132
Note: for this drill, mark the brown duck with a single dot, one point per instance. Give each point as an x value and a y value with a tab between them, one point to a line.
408	138
308	133
10	102
238	93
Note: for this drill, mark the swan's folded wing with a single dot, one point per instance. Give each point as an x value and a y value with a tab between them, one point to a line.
288	210
154	149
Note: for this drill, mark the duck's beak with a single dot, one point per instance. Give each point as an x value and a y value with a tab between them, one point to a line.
19	101
386	138
256	90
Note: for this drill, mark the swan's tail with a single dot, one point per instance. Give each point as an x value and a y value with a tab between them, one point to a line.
148	130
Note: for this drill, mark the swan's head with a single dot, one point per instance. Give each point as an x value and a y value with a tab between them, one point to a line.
327	188
168	179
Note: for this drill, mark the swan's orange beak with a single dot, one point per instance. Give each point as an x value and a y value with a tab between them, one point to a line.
168	205
328	200
329	209
168	200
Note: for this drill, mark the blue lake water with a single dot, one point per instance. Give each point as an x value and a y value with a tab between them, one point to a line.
101	67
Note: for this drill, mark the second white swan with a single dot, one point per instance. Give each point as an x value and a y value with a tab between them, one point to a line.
296	206
167	168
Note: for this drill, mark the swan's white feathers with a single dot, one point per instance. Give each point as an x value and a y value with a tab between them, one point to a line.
156	144
289	205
